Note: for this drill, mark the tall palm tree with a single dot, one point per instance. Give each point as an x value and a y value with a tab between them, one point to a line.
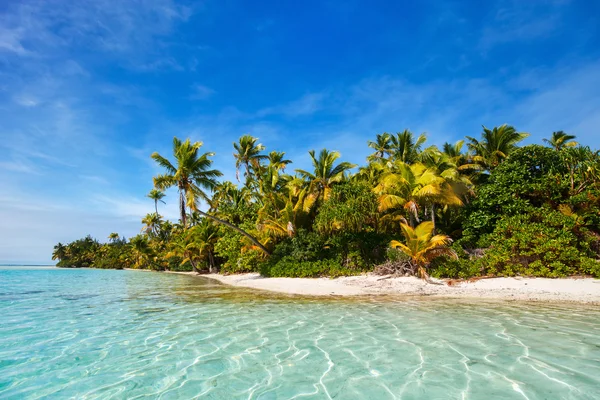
325	175
381	145
156	195
248	155
495	145
404	146
422	246
192	176
113	237
560	140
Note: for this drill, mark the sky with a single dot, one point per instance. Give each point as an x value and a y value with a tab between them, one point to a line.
89	89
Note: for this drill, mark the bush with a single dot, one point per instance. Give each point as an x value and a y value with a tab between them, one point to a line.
304	246
359	250
237	256
544	243
293	268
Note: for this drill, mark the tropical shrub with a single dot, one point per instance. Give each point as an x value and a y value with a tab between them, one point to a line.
291	267
237	256
545	244
518	185
351	208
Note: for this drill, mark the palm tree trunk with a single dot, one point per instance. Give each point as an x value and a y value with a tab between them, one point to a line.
211	261
194	266
182	208
156	206
243	232
433	217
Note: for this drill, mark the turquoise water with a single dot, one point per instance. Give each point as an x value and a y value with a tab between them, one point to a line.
97	334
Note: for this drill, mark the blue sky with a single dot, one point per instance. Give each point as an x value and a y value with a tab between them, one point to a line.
89	89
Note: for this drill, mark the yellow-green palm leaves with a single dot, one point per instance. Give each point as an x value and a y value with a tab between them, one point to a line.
412	187
560	140
248	154
422	246
192	174
325	175
156	195
495	145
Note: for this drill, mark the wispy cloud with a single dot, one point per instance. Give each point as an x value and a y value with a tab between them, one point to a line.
308	104
200	92
521	21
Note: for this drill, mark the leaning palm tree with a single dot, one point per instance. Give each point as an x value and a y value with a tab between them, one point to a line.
156	195
422	246
495	145
560	140
325	175
248	155
193	177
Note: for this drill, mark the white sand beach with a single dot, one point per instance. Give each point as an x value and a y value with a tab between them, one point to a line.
580	290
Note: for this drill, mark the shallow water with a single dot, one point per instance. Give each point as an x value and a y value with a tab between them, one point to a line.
124	334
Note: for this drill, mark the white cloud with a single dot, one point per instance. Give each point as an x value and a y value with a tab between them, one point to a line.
512	21
201	92
306	105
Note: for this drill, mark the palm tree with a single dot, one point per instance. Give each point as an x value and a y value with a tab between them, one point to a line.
325	175
113	237
60	252
495	145
412	187
248	155
192	176
156	195
422	246
141	251
404	146
277	161
560	140
381	145
205	235
152	223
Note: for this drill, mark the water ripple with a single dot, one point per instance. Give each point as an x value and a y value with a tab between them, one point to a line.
120	334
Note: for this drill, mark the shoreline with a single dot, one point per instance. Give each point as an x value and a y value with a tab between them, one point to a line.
568	290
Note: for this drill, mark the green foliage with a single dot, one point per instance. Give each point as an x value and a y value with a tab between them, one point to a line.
237	256
359	250
529	211
291	267
80	253
458	269
545	243
462	267
352	207
304	246
523	182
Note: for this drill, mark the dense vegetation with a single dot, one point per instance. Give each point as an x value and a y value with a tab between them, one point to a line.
488	208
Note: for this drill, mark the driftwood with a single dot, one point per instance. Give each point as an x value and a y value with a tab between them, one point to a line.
394	269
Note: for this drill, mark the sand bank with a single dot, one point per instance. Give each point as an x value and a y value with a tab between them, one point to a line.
580	290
